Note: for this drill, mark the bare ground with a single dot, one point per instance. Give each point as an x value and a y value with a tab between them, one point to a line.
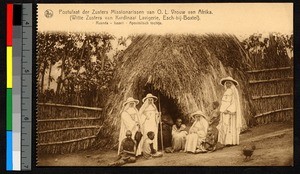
274	147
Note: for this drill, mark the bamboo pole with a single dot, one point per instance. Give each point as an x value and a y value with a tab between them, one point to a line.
271	96
70	106
271	69
274	111
69	119
70	128
66	142
271	80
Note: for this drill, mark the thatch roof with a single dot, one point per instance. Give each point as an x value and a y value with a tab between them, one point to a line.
185	68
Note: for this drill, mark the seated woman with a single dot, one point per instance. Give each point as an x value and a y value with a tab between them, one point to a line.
178	135
197	133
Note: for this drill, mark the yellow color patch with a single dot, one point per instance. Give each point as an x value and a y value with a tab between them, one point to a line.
9	68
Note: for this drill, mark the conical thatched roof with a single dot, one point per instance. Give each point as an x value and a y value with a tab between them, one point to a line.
184	68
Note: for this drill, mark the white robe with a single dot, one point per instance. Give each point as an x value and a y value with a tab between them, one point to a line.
149	122
230	124
197	135
178	137
129	121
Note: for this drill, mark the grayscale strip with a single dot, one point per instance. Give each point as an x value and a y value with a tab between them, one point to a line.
26	85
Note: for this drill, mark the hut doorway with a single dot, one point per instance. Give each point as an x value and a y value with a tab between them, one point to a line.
170	112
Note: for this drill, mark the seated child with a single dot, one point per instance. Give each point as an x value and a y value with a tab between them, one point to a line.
127	151
148	150
211	140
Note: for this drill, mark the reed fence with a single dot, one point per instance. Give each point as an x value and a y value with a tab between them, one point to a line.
272	94
66	128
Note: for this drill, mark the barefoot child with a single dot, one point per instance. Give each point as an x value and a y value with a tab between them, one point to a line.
211	140
127	150
148	149
215	114
214	120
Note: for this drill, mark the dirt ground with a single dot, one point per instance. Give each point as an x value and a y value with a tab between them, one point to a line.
274	147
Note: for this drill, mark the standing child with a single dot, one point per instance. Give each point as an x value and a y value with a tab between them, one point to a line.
214	122
215	114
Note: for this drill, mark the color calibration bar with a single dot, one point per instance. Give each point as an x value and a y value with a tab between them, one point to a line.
16	90
13	91
9	86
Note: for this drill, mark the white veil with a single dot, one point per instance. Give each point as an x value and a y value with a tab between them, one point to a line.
130	110
133	113
145	106
238	107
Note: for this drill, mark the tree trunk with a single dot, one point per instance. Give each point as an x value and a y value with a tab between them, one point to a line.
82	53
77	87
43	76
49	77
103	60
59	83
103	55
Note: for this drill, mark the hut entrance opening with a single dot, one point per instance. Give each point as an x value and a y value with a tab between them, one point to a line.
170	112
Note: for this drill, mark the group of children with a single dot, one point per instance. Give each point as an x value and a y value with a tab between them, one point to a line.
128	145
128	149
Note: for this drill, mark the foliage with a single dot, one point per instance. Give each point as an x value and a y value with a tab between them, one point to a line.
274	50
81	58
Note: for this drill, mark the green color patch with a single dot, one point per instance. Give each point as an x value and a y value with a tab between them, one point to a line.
9	109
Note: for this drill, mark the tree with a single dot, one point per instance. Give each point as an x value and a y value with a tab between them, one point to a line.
271	51
85	69
47	55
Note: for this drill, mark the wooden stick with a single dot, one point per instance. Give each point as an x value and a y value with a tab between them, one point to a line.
69	128
271	96
160	120
69	119
271	69
68	141
271	80
70	106
274	111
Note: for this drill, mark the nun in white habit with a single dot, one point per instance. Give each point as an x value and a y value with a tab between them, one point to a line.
149	119
129	119
231	116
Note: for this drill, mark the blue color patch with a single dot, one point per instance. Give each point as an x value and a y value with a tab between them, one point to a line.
9	151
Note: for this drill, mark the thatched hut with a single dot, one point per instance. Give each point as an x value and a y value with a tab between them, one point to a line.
183	70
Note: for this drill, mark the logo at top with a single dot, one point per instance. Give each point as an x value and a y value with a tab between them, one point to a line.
48	13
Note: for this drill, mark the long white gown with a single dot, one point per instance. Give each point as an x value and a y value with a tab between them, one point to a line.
230	124
178	137
129	120
197	135
149	122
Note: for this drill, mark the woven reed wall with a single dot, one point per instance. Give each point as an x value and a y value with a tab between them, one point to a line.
66	128
272	94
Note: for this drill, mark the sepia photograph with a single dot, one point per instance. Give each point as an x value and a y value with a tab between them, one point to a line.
177	84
